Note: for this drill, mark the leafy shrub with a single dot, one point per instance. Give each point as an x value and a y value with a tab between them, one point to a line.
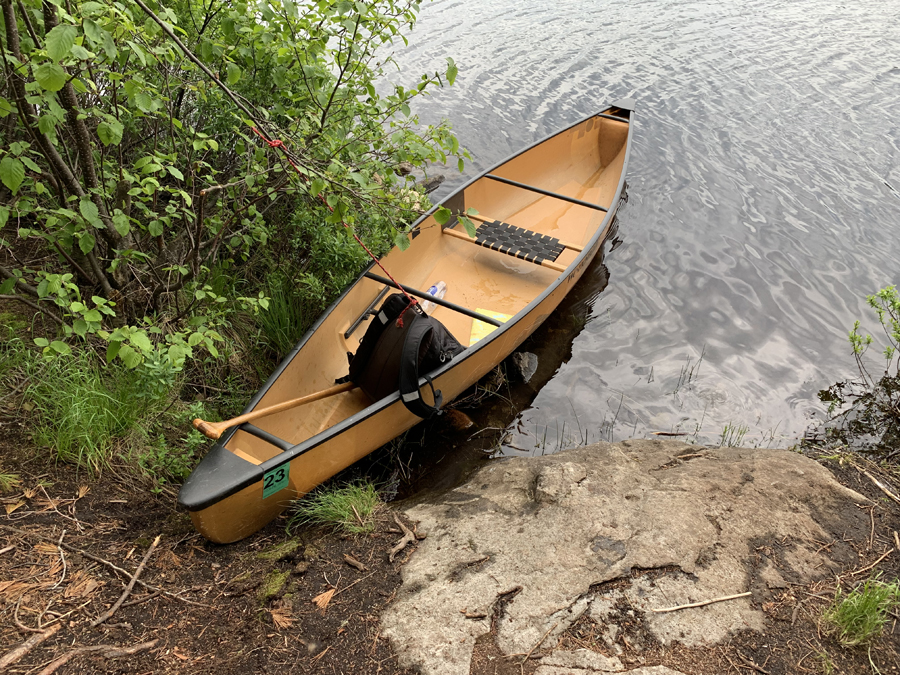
866	411
135	177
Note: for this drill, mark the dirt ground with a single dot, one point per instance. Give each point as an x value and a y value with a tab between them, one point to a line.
310	602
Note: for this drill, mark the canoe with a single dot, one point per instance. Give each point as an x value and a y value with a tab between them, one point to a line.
542	215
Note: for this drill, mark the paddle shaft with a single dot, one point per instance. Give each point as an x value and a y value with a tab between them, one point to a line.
214	430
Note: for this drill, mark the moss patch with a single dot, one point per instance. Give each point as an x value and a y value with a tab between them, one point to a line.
272	586
280	551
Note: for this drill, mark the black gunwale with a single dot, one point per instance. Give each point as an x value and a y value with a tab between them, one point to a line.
256	472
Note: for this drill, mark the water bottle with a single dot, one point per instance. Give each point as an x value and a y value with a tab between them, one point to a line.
439	290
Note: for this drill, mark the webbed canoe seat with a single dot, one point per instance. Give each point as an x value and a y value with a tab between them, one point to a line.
540	249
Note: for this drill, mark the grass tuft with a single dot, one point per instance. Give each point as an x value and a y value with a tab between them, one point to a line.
8	481
349	508
860	616
79	411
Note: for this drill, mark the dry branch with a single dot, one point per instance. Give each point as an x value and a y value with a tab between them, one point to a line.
702	604
17	653
108	651
881	486
112	610
408	538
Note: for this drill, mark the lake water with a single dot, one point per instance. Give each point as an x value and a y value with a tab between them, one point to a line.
763	199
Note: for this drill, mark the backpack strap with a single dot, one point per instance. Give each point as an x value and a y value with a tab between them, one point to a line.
409	370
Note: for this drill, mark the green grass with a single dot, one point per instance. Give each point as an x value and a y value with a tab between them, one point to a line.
860	616
79	411
349	508
288	316
8	481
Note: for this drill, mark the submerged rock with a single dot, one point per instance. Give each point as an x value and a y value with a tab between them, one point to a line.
531	538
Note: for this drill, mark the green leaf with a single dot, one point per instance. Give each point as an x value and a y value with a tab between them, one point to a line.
120	222
195	339
7	286
5	107
59	41
140	340
469	225
405	110
143	101
80	327
175	172
86	243
316	186
81	53
401	240
60	347
452	70
50	76
460	165
110	132
46	123
31	165
42	342
131	358
12	173
4	216
93	316
234	73
155	228
93	31
90	212
442	215
112	350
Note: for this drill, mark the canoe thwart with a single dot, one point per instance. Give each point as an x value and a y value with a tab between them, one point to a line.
369	311
546	193
438	301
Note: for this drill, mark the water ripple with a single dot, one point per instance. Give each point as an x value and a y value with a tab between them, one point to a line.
764	195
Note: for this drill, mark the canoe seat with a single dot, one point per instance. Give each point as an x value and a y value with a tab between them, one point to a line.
519	242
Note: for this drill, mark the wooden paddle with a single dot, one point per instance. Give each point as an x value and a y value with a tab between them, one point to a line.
214	430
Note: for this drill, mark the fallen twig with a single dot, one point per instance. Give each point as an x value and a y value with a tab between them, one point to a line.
752	664
868	567
536	645
353	562
347	588
108	651
408	538
112	610
62	557
17	653
897	540
881	486
703	603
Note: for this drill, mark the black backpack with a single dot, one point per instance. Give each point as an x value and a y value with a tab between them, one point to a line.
391	356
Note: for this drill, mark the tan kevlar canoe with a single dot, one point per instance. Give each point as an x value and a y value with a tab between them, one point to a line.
548	209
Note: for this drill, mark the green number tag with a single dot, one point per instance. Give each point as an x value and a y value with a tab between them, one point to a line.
275	480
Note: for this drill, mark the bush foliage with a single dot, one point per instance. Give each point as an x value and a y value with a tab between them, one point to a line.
136	172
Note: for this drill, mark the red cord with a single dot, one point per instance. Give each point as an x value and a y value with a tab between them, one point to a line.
279	144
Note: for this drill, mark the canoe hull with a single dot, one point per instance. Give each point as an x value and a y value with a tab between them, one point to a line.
225	510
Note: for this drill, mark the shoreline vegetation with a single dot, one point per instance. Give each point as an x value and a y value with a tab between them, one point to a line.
157	257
